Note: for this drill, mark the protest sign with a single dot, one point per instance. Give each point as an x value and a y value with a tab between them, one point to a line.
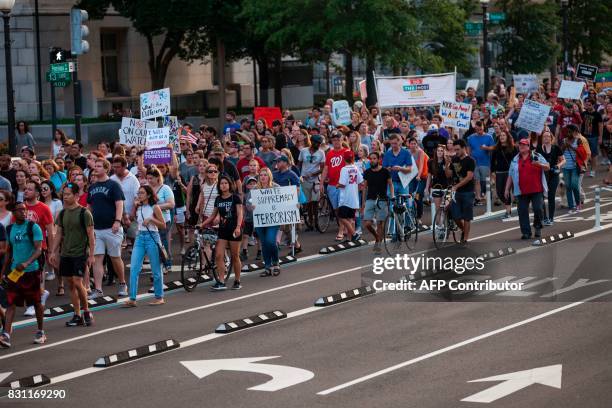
172	123
341	113
570	89
270	114
533	115
415	91
157	138
155	104
588	72
472	83
525	83
363	90
456	114
158	156
133	132
275	206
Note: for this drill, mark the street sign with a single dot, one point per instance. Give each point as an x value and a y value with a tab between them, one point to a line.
588	72
497	17
62	67
58	76
473	29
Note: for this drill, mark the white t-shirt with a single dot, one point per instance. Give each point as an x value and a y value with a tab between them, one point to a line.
130	185
55	207
350	178
165	194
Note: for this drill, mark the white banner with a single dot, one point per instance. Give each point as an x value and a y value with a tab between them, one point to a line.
472	83
341	113
533	116
158	138
415	91
525	83
275	206
456	114
133	132
570	89
155	104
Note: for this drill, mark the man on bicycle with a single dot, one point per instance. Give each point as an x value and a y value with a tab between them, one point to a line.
461	170
375	202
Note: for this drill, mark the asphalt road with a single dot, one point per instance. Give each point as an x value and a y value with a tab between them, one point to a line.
388	349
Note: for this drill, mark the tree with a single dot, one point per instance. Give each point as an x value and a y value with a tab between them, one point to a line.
590	36
527	36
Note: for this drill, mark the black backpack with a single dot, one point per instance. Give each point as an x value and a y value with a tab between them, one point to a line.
30	231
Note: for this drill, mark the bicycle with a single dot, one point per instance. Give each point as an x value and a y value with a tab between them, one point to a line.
443	225
401	224
192	268
326	214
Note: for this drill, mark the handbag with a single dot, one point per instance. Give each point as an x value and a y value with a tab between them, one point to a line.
163	255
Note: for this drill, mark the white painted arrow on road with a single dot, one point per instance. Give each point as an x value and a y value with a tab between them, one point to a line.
282	376
5	375
512	382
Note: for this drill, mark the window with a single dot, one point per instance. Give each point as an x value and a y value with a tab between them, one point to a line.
110	73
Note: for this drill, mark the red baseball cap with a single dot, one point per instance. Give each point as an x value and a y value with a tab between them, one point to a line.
524	142
348	155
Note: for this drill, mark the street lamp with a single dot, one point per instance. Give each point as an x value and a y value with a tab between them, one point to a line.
5	7
485	48
564	5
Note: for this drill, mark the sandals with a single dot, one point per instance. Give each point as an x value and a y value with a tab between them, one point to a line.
339	238
129	303
60	291
157	302
266	272
275	270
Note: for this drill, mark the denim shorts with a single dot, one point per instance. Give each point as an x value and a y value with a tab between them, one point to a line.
481	173
374	212
593	145
334	196
463	206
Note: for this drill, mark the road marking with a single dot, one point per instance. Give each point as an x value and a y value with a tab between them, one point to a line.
3	376
282	376
461	344
513	382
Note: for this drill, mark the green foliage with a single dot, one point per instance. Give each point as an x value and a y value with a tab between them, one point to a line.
590	36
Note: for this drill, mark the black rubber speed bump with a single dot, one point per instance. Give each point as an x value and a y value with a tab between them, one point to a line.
27	382
500	253
64	309
267	317
344	296
177	284
255	266
136	353
553	238
343	246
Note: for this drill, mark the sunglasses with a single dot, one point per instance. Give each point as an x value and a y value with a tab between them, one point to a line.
45	189
211	171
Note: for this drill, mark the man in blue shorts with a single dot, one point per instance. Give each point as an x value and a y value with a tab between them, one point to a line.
461	170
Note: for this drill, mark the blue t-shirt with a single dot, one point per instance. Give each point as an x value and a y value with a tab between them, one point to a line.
482	157
102	197
403	159
286	178
22	246
232	127
58	179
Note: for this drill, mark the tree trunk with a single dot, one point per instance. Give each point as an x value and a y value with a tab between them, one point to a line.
348	75
221	73
158	64
370	86
264	80
278	81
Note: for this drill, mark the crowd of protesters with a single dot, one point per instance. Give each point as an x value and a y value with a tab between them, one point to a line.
72	215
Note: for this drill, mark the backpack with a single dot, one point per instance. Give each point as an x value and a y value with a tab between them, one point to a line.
29	233
81	221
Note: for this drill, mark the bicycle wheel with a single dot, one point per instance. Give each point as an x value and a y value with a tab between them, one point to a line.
440	229
411	229
394	233
191	268
228	268
324	217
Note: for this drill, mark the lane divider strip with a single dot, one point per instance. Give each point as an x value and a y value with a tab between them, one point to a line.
179	284
344	296
255	266
133	354
68	308
27	382
553	238
343	246
229	327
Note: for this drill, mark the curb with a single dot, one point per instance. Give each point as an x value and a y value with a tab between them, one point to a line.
179	284
500	253
553	238
343	246
133	354
68	308
27	382
229	327
255	266
344	296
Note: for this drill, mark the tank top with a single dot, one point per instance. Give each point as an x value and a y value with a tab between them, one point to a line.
210	194
144	212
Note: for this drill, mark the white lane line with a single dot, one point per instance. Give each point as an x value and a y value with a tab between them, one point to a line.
461	344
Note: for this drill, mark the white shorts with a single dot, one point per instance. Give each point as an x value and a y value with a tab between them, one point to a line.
108	242
180	215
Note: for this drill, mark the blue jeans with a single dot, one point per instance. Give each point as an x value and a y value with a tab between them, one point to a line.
146	244
572	186
164	240
269	250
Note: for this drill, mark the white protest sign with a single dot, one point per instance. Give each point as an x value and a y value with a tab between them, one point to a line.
570	89
158	138
415	91
533	116
472	83
406	178
525	83
456	114
155	104
275	206
341	113
133	132
173	124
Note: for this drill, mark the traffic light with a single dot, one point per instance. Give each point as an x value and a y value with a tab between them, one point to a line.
78	31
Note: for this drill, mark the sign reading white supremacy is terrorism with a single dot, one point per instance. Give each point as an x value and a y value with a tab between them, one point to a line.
275	206
415	91
158	138
155	104
525	83
456	114
533	116
133	132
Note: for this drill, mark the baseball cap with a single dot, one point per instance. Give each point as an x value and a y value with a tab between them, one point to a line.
433	126
524	142
316	139
282	157
348	155
250	179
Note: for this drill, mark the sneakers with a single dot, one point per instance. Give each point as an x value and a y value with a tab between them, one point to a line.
30	311
236	285
507	216
579	208
88	318
547	222
40	337
49	276
5	340
252	241
75	321
356	236
123	289
218	287
95	293
592	173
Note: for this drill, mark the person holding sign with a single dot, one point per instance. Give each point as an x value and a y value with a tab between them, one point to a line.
267	235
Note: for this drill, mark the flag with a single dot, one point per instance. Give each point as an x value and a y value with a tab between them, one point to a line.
189	137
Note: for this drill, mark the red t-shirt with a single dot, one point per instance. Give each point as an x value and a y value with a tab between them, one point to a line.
83	200
334	160
40	213
243	166
565	120
530	177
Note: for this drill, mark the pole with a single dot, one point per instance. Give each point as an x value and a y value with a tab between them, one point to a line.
10	97
597	208
255	82
485	52
77	102
565	39
38	61
489	196
53	106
